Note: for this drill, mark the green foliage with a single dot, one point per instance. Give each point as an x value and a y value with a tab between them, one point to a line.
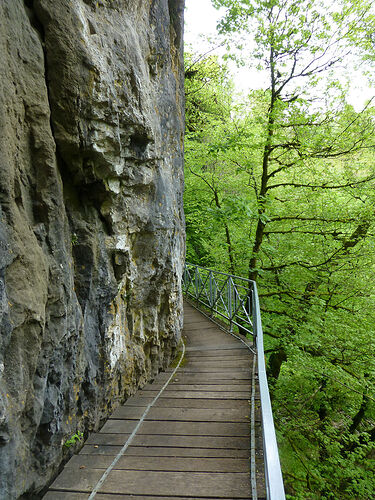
74	239
77	437
280	188
206	100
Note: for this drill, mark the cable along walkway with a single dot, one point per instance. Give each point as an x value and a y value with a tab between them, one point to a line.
200	439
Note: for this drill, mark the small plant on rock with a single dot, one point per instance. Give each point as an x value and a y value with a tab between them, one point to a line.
78	436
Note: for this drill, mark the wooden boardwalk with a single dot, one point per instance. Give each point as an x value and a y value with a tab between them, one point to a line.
194	443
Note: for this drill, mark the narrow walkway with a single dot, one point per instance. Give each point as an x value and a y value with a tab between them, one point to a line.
195	441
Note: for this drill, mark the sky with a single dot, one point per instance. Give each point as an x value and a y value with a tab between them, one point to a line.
201	18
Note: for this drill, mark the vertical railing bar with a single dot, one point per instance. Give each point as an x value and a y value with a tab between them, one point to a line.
210	285
196	282
214	294
229	288
250	309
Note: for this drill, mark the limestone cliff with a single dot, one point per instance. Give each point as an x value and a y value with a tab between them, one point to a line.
91	224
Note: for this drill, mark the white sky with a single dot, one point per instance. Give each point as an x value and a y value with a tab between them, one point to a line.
201	18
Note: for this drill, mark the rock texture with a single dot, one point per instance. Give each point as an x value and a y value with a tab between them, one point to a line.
91	224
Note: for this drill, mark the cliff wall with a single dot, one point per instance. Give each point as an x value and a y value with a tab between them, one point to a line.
91	223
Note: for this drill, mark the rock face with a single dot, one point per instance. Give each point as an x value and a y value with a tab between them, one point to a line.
91	223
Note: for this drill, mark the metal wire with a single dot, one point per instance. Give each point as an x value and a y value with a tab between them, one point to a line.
135	430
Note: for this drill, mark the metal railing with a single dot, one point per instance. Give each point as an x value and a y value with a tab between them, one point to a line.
235	301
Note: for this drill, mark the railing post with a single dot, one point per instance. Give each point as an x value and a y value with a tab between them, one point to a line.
196	283
210	288
254	315
229	288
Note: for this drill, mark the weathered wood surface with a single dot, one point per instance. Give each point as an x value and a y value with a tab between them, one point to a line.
194	442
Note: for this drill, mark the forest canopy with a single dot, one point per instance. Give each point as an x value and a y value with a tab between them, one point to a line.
280	188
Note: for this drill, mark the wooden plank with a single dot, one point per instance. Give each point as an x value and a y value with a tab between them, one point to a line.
241	383
213	378
198	387
82	481
165	451
198	318
183	414
191	314
217	485
221	372
183	402
227	374
178	428
197	356
194	318
209	377
199	367
64	495
171	441
190	311
191	379
213	369
219	353
208	354
177	464
216	347
209	341
212	359
212	336
211	351
193	326
200	326
198	394
232	363
205	339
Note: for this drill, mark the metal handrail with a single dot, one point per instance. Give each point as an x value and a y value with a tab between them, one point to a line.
235	300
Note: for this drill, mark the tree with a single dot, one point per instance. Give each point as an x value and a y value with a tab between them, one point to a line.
293	171
209	104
